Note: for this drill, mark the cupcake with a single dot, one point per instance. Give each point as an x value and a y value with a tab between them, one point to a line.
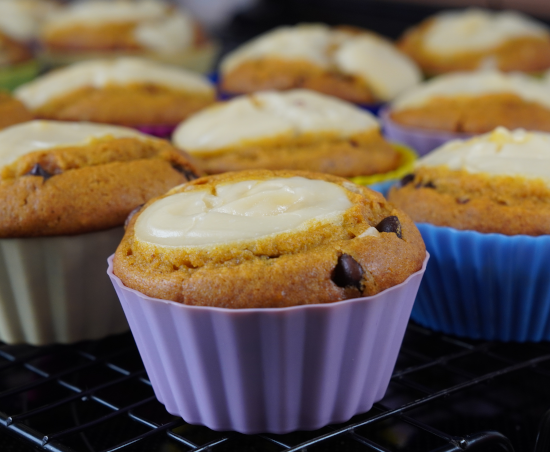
103	28
66	191
473	38
462	104
132	92
296	129
12	111
19	24
268	300
483	208
349	63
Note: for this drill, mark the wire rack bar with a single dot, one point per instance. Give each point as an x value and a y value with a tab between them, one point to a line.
419	402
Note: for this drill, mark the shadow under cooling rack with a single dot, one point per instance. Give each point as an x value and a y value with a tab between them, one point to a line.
446	394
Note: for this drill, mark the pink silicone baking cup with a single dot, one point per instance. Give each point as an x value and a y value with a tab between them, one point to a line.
421	140
159	131
270	370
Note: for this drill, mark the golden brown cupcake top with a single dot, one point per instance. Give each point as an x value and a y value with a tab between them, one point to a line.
121	25
124	91
352	64
12	111
474	38
252	223
497	182
68	178
296	129
475	102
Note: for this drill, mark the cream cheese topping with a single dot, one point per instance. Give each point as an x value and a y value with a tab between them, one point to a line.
158	26
475	84
476	29
377	61
270	114
500	153
367	56
100	73
241	212
168	36
21	19
21	139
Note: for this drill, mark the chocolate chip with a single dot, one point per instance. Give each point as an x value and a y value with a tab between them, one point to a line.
462	200
407	179
37	170
189	174
131	214
426	185
347	273
390	224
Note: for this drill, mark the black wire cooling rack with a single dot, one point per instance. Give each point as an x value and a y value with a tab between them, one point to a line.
446	394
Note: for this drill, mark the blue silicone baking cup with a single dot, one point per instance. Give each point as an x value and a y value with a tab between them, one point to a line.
485	286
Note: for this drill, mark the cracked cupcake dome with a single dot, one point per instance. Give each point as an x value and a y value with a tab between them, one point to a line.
497	182
267	239
349	63
121	26
475	102
61	178
296	129
477	38
125	91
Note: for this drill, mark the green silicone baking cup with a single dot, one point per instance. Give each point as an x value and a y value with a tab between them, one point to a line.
13	76
409	157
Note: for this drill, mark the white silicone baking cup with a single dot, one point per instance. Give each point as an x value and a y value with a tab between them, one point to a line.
54	289
270	370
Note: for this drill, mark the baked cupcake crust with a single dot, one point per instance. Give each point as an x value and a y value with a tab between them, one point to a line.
136	104
295	268
12	111
526	54
501	204
84	188
350	63
123	91
475	114
12	52
293	130
280	74
362	154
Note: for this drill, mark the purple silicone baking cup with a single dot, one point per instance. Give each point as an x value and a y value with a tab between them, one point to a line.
270	370
421	140
159	131
485	286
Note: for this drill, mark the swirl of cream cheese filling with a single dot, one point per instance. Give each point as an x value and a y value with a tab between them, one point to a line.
242	211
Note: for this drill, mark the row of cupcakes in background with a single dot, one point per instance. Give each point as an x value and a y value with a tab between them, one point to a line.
36	35
350	62
455	105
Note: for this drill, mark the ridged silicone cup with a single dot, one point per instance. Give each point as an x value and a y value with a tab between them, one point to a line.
270	370
422	140
382	182
485	286
13	76
54	289
160	131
